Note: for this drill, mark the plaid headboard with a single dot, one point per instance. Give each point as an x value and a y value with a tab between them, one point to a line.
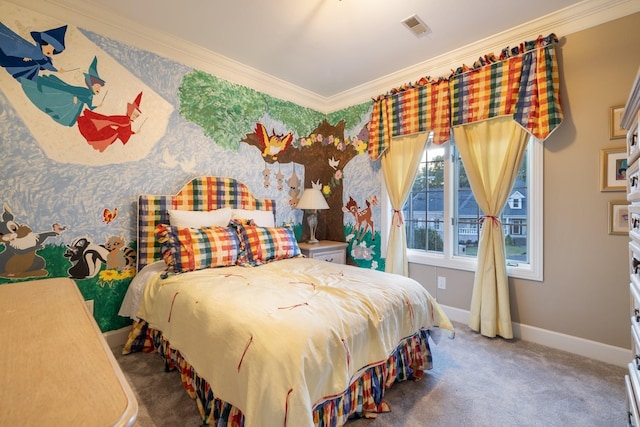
200	194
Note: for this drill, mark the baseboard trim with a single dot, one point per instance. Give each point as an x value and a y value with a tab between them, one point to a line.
116	337
603	352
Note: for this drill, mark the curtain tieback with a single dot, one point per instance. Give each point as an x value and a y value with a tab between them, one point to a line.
494	219
399	214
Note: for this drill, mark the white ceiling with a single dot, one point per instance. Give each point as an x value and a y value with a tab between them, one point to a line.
327	48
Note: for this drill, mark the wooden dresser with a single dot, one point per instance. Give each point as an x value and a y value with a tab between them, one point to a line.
57	369
629	121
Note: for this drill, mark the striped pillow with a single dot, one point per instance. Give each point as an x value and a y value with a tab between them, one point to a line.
187	249
260	245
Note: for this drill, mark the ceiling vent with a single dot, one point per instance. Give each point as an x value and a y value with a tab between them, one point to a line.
416	26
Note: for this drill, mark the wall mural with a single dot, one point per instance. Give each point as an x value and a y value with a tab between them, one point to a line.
87	124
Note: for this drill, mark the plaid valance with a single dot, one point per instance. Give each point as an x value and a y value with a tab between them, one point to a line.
523	82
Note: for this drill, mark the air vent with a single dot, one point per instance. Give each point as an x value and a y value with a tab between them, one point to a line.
416	26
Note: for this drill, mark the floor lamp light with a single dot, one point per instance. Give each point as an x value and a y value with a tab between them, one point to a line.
312	200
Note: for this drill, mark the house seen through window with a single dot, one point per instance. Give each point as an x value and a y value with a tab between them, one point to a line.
443	220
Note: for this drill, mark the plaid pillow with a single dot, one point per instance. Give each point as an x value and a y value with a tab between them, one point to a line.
260	245
188	249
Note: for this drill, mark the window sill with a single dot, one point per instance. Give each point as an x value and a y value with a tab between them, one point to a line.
468	264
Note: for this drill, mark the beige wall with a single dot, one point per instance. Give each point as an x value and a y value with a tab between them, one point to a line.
585	292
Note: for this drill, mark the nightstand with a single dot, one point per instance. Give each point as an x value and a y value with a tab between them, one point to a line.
326	250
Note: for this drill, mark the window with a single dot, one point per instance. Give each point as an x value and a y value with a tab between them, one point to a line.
443	220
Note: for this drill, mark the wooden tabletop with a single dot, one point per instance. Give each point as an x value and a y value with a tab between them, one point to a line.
57	369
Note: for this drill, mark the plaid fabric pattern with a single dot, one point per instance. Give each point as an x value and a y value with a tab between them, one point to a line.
420	108
189	249
486	92
538	109
379	132
524	84
202	193
260	245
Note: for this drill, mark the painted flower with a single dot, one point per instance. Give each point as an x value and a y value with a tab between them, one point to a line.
361	148
338	175
107	277
326	190
131	272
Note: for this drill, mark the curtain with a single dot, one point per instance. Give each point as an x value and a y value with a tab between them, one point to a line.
521	85
410	109
492	152
522	82
400	163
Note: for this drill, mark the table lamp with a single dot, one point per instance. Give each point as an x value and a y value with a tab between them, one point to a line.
312	200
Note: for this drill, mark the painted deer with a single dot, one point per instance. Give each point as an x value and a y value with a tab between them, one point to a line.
361	216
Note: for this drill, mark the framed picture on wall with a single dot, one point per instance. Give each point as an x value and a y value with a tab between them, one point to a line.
618	217
615	116
613	169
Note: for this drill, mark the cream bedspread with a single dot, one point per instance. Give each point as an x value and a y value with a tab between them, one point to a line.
275	340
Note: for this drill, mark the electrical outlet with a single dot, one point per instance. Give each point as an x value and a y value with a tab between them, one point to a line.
89	305
442	282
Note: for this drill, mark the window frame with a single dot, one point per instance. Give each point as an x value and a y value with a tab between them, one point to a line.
531	271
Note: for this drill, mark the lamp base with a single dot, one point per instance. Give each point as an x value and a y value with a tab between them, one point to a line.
312	219
313	241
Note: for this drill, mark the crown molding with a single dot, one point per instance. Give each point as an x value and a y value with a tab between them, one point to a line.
581	16
101	20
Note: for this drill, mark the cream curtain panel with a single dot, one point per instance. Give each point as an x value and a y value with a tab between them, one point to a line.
492	152
399	167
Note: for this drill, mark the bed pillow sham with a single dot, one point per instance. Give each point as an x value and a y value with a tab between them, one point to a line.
260	218
260	245
196	219
188	249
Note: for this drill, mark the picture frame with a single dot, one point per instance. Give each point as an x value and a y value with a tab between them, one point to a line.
613	169
615	117
619	217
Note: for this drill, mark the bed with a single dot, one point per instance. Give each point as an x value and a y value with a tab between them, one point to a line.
261	335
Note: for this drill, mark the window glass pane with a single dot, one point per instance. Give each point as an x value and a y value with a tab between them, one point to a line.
466	213
514	217
424	210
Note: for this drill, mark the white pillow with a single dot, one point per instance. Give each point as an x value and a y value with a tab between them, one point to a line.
261	218
196	219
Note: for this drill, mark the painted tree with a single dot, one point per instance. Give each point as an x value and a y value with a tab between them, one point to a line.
324	154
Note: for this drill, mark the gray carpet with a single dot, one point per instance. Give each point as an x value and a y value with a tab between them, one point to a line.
476	381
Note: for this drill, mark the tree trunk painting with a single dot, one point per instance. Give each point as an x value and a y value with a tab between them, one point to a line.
324	154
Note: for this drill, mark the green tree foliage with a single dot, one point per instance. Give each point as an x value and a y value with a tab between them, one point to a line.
352	116
227	111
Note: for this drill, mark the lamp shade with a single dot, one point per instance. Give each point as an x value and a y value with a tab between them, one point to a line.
312	199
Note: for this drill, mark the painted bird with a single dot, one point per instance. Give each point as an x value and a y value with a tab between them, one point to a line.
274	144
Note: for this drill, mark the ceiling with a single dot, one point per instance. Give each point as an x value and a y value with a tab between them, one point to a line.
326	48
329	46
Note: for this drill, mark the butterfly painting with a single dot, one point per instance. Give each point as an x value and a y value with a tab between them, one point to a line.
109	215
